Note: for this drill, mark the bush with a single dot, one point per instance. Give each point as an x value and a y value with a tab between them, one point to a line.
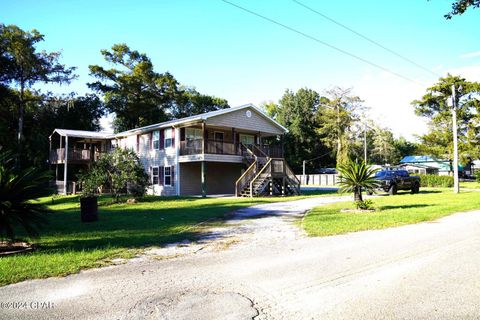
120	171
477	176
433	180
364	204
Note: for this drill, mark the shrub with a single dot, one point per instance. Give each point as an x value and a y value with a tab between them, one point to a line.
477	176
433	180
120	171
364	204
17	190
355	177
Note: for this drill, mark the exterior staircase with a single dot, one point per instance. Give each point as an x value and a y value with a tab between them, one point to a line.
265	176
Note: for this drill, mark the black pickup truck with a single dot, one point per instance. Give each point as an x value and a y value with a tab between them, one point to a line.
392	180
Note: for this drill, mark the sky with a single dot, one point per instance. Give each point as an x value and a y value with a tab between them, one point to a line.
224	51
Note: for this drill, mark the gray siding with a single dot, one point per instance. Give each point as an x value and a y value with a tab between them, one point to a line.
220	177
239	120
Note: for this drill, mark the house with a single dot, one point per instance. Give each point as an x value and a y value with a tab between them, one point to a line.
427	165
230	151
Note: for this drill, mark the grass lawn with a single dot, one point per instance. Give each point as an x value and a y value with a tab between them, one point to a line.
402	209
66	245
470	185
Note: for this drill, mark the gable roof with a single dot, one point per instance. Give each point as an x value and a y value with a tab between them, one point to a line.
171	123
199	117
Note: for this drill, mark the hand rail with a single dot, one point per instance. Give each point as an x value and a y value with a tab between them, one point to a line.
252	168
261	151
289	172
258	175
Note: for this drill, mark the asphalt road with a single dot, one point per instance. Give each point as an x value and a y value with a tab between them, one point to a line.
263	267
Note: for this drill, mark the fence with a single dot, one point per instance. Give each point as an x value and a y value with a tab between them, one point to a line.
318	179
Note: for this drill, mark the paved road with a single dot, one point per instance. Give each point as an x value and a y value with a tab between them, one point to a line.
263	267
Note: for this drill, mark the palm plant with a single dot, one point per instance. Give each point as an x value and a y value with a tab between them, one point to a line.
355	177
17	190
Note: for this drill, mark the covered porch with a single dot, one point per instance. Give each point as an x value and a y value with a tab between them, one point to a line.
72	151
208	142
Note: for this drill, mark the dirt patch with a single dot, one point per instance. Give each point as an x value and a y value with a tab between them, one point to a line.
9	248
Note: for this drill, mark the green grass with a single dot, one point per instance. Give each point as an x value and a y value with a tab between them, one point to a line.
470	185
66	245
392	211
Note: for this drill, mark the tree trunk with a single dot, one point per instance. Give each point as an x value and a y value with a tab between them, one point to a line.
357	194
21	115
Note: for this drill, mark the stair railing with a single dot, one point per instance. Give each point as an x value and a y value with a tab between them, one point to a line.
245	178
292	177
265	167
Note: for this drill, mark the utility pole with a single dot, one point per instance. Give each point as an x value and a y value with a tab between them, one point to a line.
456	186
365	141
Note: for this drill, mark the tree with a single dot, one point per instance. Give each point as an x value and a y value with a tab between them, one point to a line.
24	67
433	105
119	171
17	190
356	177
339	111
134	91
383	146
190	102
460	6
297	112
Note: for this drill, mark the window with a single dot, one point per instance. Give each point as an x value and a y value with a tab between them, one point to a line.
155	175
168	138
247	139
218	136
156	139
193	137
168	176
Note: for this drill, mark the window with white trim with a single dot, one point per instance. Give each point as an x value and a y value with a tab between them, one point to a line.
168	138
155	175
156	139
167	176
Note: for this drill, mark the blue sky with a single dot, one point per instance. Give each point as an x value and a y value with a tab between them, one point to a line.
226	52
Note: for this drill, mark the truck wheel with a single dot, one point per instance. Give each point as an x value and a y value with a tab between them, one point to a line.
393	190
415	188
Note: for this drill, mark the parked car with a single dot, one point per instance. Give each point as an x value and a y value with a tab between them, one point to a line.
392	180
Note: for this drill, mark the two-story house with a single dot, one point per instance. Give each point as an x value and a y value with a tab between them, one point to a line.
230	151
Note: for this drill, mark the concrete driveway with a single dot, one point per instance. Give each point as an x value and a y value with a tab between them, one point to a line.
262	266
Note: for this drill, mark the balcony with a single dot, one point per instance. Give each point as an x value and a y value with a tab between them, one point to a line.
74	156
229	148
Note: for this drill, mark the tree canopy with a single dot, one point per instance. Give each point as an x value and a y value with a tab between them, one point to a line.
23	66
434	106
140	96
460	6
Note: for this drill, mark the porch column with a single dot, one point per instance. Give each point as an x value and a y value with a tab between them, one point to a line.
177	163
204	137
65	167
235	149
203	179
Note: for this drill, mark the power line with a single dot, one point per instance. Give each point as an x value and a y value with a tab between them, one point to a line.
366	38
322	42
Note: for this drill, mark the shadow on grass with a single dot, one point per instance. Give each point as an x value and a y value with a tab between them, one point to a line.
132	226
405	206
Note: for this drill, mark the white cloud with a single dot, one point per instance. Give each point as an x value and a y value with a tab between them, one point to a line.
389	99
470	55
470	73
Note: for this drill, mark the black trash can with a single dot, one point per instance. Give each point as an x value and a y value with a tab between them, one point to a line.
89	209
